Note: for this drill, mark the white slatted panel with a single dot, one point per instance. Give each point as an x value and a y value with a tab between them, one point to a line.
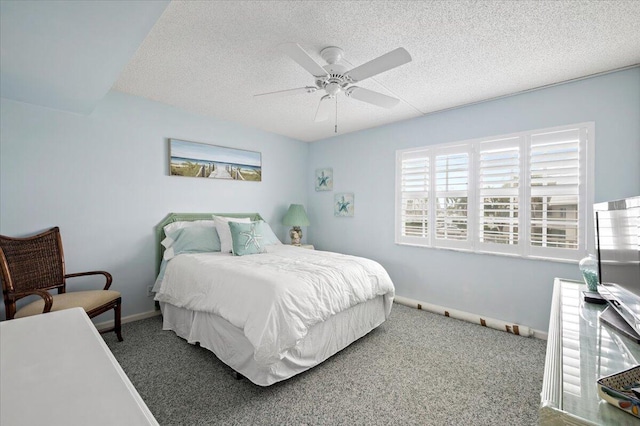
452	184
554	172
525	194
415	194
499	186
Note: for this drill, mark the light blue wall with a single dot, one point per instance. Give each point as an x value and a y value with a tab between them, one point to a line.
515	290
103	179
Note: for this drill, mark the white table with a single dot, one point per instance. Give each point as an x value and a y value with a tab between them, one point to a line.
580	350
55	369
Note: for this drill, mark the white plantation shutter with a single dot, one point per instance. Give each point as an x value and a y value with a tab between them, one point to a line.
414	198
499	187
526	194
452	196
555	190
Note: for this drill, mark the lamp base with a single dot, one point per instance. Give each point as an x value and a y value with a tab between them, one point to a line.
296	235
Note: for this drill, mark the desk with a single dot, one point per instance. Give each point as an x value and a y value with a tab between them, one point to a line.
55	369
580	350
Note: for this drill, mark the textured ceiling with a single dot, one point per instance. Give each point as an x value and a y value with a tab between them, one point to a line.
212	57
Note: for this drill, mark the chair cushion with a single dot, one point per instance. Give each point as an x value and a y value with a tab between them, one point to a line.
77	299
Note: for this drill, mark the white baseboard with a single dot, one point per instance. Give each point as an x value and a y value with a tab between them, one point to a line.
542	335
471	317
128	318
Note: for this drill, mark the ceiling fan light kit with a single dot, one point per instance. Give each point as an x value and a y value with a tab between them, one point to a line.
334	77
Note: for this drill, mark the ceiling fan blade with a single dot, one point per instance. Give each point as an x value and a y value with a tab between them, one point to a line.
288	92
383	63
299	55
375	98
324	108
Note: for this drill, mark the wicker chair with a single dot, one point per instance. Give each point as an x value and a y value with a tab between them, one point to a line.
34	265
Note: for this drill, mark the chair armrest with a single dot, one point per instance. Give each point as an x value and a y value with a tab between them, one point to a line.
82	274
48	300
10	301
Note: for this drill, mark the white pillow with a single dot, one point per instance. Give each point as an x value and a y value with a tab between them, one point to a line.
268	237
169	253
167	242
185	224
224	232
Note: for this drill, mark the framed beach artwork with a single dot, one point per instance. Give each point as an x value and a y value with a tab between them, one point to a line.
194	159
324	179
343	205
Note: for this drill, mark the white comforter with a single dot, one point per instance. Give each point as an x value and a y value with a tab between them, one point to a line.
275	297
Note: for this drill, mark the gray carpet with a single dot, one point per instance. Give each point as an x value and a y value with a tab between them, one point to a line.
416	368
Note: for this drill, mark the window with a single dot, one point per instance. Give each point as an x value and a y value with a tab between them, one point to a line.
526	194
499	169
415	194
451	196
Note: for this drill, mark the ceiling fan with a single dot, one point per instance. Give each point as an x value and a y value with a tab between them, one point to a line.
334	77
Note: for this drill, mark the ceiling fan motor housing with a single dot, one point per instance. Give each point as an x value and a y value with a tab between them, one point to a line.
336	81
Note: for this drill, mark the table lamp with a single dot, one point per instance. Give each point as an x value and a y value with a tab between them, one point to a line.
296	217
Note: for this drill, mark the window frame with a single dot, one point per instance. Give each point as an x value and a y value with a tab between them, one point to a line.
524	248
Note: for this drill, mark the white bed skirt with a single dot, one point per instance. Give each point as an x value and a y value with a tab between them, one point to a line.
229	344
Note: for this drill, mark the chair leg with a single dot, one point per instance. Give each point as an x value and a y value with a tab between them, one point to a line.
117	325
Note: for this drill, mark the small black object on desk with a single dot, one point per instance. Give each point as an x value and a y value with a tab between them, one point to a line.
593	297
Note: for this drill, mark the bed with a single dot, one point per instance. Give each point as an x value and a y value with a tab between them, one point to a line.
271	314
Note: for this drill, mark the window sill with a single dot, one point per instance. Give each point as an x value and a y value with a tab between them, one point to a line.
492	253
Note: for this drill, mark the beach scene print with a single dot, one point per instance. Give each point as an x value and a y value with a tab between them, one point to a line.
195	159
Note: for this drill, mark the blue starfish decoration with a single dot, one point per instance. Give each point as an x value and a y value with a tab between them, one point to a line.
323	180
343	206
252	238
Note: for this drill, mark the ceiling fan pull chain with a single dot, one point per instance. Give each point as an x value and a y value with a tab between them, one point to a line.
335	130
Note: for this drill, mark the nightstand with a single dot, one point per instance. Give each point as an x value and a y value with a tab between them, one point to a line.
308	246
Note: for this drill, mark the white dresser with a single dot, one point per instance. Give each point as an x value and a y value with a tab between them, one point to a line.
55	369
580	350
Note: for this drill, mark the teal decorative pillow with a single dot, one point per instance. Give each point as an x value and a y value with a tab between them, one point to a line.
195	239
247	238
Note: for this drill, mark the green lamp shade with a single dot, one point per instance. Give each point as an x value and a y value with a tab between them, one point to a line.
296	216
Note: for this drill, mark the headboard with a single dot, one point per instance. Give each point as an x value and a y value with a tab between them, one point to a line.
189	217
